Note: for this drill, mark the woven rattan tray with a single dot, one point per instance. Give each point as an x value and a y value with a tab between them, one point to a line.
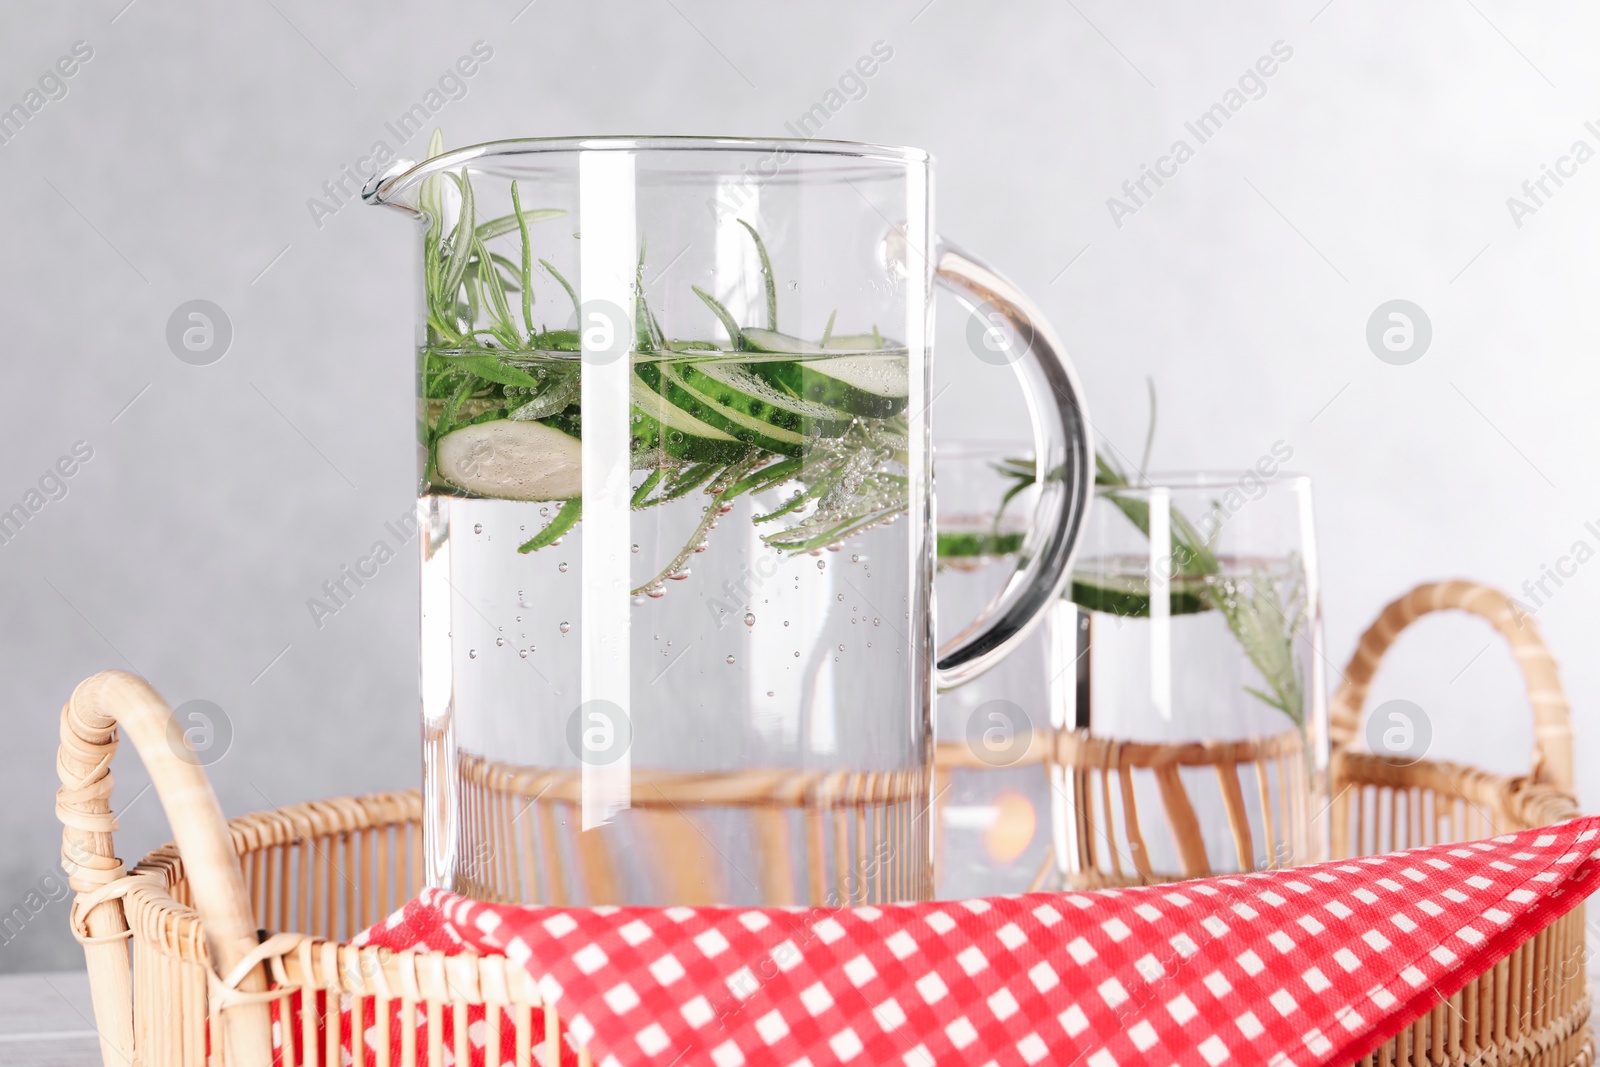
177	967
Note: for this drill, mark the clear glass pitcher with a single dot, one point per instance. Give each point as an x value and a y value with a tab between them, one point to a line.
676	495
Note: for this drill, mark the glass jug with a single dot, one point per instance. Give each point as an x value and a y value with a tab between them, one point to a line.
676	499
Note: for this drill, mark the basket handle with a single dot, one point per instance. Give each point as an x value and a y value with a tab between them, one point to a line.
1552	715
89	724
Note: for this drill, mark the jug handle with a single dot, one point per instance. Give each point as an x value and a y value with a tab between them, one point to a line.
1065	463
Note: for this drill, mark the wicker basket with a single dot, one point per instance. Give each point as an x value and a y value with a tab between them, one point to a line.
198	976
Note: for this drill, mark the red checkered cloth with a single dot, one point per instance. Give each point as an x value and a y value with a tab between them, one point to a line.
1312	965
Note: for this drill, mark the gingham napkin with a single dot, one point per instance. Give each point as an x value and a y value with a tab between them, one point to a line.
1313	965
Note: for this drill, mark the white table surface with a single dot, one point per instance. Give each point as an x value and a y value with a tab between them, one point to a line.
46	1021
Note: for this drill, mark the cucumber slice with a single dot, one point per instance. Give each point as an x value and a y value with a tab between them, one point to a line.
663	379
661	424
650	440
875	387
734	386
512	461
977	544
773	341
1128	596
855	342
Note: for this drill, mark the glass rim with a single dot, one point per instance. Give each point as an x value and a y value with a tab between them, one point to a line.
984	448
1196	480
383	186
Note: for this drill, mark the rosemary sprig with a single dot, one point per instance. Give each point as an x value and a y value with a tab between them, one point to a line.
485	357
728	477
1257	615
564	520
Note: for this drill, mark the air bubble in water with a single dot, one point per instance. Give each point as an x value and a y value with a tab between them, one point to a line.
841	598
875	622
523	653
499	642
562	567
477	527
472	653
855	559
770	693
841	648
636	550
749	618
544	512
564	627
822	564
797	655
730	661
786	622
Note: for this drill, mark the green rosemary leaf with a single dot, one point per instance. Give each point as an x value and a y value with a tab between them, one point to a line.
795	503
517	220
641	494
559	394
769	279
788	541
502	266
526	267
688	480
1019	487
571	293
449	336
460	248
660	339
446	422
564	520
500	308
767	477
735	334
492	369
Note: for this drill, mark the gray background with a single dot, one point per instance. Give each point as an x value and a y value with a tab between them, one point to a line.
179	165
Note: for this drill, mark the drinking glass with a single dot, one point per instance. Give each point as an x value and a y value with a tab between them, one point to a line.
992	786
1195	737
674	481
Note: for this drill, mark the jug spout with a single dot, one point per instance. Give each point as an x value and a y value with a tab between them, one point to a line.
388	188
